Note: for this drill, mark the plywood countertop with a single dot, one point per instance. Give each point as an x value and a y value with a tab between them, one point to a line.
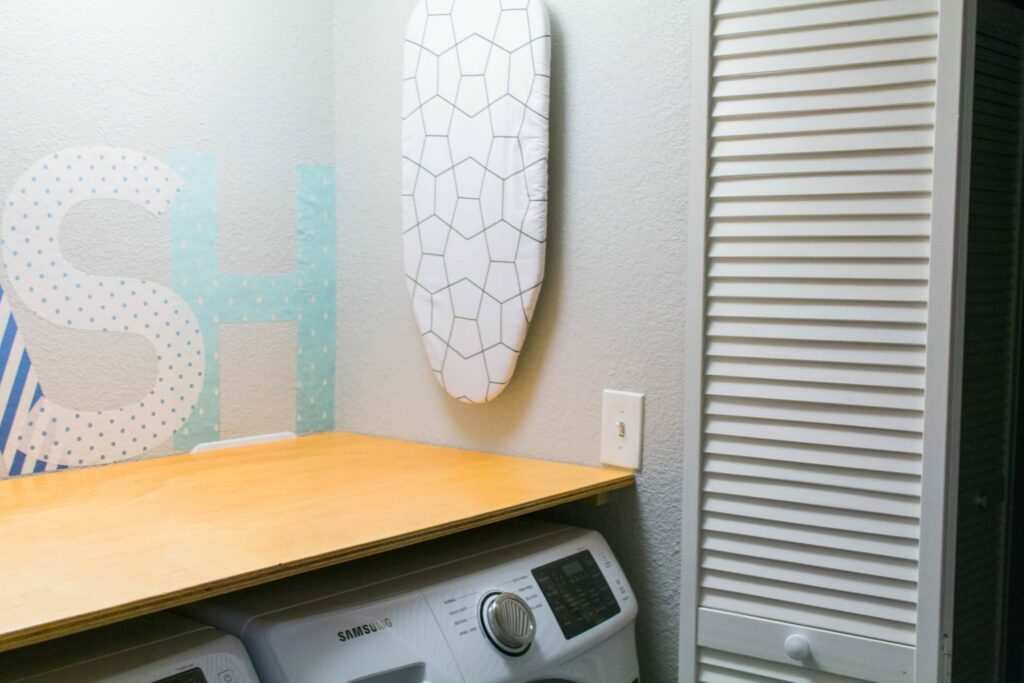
84	548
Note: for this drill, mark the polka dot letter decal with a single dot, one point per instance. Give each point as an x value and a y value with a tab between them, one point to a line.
48	284
475	148
306	296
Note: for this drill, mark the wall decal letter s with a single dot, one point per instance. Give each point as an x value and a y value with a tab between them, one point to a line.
52	435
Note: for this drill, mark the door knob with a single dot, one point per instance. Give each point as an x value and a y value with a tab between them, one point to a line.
797	647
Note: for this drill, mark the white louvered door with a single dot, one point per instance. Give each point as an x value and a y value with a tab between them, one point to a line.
823	269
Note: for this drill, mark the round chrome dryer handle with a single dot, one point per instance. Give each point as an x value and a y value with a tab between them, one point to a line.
508	622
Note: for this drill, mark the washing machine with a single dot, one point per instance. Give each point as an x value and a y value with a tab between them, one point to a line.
519	602
161	648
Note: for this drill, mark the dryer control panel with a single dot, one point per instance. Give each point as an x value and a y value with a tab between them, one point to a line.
577	592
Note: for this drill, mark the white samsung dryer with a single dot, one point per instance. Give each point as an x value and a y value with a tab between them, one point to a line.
160	648
519	602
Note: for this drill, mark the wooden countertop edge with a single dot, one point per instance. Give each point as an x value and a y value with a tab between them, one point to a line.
32	635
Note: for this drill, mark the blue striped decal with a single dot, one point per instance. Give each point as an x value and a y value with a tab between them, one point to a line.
21	393
5	347
17	463
14	399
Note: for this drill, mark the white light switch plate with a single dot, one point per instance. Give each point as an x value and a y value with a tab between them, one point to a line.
622	428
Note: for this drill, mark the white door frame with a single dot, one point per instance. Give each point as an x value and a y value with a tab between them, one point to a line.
943	372
693	371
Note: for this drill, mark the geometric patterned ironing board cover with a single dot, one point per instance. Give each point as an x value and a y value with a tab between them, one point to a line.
475	112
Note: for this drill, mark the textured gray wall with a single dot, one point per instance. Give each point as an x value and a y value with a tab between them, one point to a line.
612	310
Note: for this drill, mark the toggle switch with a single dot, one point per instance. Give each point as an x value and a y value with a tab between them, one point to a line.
622	427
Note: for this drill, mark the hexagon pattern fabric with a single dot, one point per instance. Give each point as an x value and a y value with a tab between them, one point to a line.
474	184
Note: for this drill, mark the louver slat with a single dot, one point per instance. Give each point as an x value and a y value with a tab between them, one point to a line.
820	143
827	394
831	100
847	541
828	475
819	196
845	56
808	515
886	356
910	27
800	455
804	186
819	16
827	80
768	368
795	165
882	291
871	312
822	269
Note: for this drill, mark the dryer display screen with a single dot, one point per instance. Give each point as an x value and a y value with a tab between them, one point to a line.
577	592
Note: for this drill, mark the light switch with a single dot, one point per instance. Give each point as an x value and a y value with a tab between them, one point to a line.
622	428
